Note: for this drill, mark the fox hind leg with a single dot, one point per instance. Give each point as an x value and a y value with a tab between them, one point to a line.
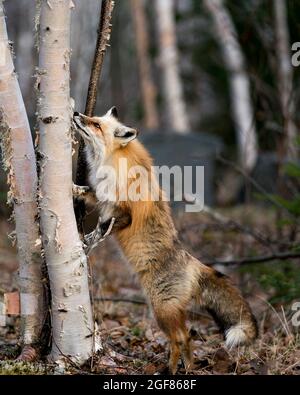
174	356
187	353
174	326
180	345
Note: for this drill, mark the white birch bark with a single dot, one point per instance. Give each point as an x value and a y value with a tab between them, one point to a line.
142	48
172	85
72	322
242	109
19	161
285	78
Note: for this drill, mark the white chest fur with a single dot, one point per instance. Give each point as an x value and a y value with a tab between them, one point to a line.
103	180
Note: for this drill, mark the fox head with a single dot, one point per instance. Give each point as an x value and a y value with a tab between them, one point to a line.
104	134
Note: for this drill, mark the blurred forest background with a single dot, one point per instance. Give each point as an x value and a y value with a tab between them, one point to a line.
192	103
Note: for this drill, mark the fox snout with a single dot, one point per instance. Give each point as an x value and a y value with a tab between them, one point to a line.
78	117
107	127
82	125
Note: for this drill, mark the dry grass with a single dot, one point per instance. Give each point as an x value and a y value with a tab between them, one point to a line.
132	342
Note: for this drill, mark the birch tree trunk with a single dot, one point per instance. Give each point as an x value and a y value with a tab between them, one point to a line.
19	162
172	86
239	83
285	79
72	322
142	48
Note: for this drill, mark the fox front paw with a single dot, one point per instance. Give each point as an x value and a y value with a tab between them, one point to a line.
80	191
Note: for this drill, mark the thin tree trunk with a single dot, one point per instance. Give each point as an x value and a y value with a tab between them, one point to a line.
285	80
19	162
172	85
239	83
103	38
142	47
72	322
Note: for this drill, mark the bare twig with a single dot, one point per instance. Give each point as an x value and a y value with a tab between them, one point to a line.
121	299
104	31
94	238
141	301
237	226
258	187
256	259
102	42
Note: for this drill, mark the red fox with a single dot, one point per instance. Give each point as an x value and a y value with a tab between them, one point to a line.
170	276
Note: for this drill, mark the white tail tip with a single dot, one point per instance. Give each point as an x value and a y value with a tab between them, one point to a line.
235	336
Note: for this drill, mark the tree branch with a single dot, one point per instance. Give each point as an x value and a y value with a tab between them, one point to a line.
104	30
268	196
142	302
94	238
255	259
102	42
218	217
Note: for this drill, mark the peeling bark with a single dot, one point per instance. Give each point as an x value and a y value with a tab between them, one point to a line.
20	165
242	109
172	85
72	323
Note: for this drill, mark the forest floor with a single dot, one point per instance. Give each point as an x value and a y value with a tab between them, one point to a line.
132	342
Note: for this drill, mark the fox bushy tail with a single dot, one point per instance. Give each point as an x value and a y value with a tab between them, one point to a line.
172	291
227	306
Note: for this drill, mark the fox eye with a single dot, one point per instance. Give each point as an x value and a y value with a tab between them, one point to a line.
97	125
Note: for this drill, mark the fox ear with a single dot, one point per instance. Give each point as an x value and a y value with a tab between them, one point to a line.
125	135
113	112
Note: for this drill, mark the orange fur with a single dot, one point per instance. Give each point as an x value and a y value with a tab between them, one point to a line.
170	276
